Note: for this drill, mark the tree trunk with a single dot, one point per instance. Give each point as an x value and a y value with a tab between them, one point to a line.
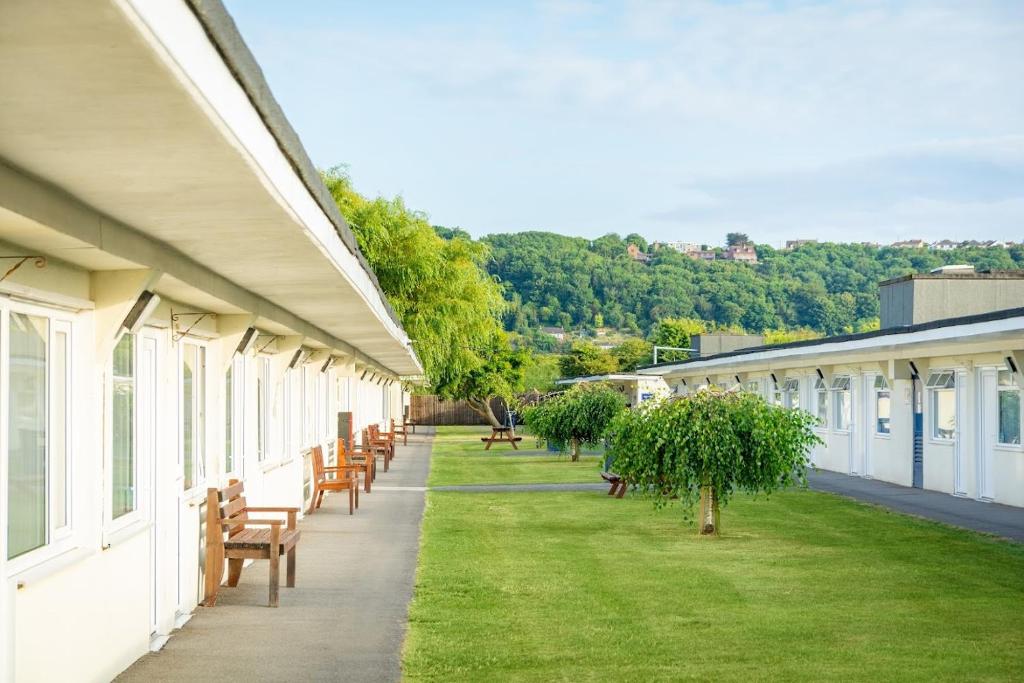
574	450
709	512
482	407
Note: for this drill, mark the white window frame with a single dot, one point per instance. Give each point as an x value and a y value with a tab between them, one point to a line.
820	388
840	390
202	476
1013	386
881	384
791	391
263	393
236	403
940	380
59	540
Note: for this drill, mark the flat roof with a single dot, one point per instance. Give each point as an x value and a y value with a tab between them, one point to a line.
954	275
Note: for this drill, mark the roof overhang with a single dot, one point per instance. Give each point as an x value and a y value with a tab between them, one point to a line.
980	336
138	115
622	377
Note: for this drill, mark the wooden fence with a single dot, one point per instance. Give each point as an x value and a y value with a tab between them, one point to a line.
433	410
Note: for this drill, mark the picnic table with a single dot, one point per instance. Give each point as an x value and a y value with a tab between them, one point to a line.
501	434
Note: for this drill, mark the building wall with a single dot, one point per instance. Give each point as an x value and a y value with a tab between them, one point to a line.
80	607
971	463
926	298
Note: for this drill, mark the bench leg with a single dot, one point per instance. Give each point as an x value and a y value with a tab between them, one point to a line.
312	499
513	442
614	488
355	487
367	478
291	568
351	506
622	490
234	570
275	577
320	499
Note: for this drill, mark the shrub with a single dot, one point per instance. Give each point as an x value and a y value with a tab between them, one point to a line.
575	417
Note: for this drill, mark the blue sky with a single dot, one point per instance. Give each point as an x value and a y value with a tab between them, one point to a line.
841	121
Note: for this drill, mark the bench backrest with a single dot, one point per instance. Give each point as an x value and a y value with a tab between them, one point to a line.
221	504
317	456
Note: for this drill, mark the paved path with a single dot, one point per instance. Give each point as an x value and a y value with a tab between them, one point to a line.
991	518
344	621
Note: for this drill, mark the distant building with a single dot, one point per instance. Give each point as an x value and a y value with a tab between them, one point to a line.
683	247
910	244
556	332
741	252
943	245
637	255
794	244
703	255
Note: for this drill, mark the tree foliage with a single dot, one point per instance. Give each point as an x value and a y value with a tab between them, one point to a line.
677	333
447	302
631	354
585	359
829	288
709	445
576	417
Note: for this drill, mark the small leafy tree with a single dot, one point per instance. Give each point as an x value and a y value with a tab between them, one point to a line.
576	417
585	359
707	446
676	332
631	354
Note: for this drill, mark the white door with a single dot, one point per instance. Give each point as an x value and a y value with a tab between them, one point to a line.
988	429
191	469
146	417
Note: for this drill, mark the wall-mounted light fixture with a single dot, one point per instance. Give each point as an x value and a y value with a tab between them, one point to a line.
140	312
247	342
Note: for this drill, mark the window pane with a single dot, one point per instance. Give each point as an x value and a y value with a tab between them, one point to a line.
823	407
200	431
261	408
943	413
229	410
882	408
58	437
122	428
26	482
188	417
1009	417
842	409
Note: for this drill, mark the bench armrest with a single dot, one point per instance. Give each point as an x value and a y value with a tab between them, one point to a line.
266	509
253	522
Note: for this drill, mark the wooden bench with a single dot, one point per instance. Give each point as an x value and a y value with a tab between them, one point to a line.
618	488
400	430
365	460
338	478
230	536
501	435
373	438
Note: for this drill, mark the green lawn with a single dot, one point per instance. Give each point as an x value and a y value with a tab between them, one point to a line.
459	458
802	586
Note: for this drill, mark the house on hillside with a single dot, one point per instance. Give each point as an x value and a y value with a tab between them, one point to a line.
943	245
556	332
796	244
182	305
637	255
931	400
745	253
910	244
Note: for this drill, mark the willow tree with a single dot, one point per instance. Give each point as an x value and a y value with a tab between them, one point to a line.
448	304
576	417
702	449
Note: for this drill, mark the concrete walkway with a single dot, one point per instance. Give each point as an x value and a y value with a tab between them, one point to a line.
345	619
991	518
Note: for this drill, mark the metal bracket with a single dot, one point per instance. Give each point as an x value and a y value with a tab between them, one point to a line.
273	339
176	318
40	262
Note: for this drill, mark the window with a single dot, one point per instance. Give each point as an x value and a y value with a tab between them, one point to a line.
122	428
229	415
791	392
38	500
841	403
193	413
308	408
822	394
753	386
1009	409
262	407
883	405
234	415
942	387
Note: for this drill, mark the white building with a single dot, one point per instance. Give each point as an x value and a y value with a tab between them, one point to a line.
149	180
636	388
934	404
